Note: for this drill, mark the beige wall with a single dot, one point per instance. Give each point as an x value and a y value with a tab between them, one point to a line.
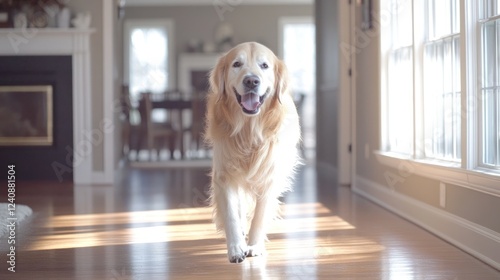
328	83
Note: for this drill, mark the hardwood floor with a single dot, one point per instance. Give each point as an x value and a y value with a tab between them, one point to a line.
154	225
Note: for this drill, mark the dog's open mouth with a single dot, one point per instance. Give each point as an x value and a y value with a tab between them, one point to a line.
250	102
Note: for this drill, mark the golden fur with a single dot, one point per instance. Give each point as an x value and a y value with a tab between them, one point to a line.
254	155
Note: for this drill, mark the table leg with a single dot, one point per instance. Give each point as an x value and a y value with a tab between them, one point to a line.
181	133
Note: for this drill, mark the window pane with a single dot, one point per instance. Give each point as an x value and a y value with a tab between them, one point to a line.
400	101
442	119
148	60
443	18
489	8
489	55
490	127
402	34
399	106
432	102
490	116
455	16
442	87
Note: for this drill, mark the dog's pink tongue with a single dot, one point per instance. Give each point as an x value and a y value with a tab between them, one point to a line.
250	101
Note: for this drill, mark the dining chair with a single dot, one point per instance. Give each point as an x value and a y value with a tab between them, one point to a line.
125	119
199	108
157	134
197	126
130	129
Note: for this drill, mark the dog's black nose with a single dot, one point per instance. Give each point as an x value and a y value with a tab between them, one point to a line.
251	81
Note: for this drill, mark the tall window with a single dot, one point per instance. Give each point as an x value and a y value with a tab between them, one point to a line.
441	70
400	80
438	79
148	56
490	83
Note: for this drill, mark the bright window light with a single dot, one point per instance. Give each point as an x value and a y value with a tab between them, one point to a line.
148	60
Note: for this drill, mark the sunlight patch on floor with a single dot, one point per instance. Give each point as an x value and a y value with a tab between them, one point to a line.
300	234
155	216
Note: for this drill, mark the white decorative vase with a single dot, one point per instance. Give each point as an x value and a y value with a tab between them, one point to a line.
82	20
64	18
20	20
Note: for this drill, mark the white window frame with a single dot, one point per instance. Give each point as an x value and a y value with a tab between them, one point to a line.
480	160
469	172
168	24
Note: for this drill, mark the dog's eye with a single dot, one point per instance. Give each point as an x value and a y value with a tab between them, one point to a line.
264	66
237	64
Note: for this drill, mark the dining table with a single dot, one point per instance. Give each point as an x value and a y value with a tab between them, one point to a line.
178	104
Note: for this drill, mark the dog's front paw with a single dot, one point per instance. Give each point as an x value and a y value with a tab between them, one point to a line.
256	250
237	253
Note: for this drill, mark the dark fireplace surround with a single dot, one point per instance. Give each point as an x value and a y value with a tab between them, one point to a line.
42	162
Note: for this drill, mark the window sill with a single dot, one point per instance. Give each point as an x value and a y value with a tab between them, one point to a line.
485	181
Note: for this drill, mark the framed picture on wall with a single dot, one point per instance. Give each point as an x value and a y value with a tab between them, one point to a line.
5	18
26	115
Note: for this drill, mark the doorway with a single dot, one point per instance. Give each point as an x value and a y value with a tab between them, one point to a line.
297	48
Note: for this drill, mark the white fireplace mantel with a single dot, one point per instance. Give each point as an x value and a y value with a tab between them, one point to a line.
57	41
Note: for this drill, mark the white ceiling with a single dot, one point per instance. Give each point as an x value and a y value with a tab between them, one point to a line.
232	3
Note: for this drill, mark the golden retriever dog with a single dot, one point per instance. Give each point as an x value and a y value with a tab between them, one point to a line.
253	128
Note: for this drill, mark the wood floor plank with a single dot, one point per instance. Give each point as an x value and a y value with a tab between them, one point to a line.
154	224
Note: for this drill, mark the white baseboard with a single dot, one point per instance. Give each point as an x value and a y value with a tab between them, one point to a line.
477	240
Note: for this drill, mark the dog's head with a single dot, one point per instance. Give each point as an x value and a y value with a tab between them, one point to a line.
251	75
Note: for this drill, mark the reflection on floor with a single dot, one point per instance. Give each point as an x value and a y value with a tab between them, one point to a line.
154	225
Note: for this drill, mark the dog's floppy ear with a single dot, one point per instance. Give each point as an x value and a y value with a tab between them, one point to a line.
217	76
281	79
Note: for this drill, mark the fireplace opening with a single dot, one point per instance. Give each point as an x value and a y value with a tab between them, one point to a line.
199	80
26	115
36	117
